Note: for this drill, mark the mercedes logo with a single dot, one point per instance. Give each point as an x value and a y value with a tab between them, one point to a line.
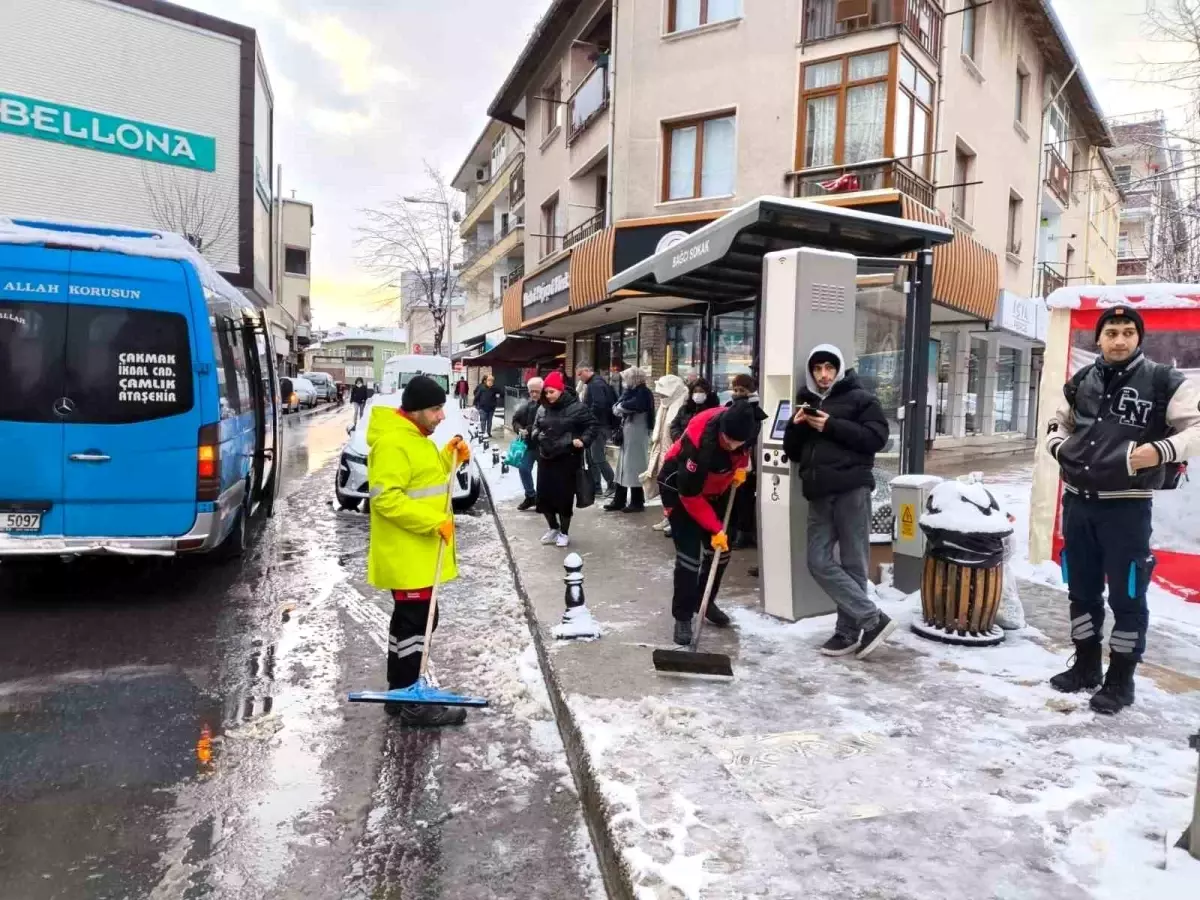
63	407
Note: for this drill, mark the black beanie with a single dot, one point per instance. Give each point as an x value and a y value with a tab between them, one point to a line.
422	393
1121	312
738	422
824	356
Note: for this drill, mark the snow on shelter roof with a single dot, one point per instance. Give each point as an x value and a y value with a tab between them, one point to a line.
1138	296
116	239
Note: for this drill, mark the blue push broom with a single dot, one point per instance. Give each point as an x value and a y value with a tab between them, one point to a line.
422	692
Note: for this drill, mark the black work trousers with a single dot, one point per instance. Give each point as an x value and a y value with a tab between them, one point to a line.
406	642
1108	541
693	563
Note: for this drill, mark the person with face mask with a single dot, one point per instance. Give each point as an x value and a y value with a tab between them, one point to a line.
410	519
700	399
833	438
700	469
1121	423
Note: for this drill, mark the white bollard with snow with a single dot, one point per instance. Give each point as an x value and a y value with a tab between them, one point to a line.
578	621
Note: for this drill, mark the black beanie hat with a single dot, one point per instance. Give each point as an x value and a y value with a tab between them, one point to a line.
422	393
1121	312
824	356
738	422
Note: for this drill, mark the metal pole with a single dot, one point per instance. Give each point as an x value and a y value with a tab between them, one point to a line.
916	370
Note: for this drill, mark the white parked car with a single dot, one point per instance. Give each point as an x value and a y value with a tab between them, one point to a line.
323	383
351	485
306	392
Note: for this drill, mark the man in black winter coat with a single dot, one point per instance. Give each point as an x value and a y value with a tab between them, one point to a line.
1120	424
600	398
833	438
522	423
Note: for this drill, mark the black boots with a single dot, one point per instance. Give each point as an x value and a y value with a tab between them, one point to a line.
1117	692
527	504
683	632
619	500
637	500
1086	671
716	616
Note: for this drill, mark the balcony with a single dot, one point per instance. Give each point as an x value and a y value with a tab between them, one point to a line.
483	255
514	275
1058	176
303	334
587	103
489	192
873	175
921	20
1135	267
516	188
583	231
1051	279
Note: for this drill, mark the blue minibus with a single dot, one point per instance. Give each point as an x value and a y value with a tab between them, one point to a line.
138	397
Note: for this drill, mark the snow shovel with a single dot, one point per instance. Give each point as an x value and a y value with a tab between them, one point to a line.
691	663
422	693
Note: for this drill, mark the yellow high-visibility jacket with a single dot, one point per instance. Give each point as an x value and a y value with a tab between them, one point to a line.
409	480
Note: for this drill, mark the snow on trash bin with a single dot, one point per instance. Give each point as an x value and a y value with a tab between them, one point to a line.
963	575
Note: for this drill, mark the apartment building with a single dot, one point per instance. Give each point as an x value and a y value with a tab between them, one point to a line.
646	120
347	353
291	314
1152	241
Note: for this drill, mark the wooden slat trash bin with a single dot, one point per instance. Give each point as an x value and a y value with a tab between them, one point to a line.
963	575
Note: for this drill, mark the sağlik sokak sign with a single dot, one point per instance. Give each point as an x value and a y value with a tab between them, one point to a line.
50	121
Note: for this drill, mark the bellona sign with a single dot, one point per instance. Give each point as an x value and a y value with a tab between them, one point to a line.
51	121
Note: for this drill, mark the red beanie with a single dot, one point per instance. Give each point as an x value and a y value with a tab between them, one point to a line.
555	382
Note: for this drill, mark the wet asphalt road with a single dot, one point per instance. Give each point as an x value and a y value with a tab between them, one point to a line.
177	729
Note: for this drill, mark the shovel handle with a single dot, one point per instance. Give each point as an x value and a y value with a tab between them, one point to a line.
437	581
712	572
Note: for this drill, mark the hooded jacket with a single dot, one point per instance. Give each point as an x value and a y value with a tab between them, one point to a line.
671	392
1108	411
409	480
840	458
698	471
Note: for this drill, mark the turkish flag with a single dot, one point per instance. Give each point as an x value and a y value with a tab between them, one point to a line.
847	182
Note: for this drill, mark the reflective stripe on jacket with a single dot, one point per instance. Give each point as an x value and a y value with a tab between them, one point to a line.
409	481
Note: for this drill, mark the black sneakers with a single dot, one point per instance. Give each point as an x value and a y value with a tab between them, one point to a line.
716	616
1118	691
419	715
840	645
683	632
527	504
871	640
1086	670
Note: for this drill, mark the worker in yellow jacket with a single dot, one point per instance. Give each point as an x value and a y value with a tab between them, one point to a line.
410	518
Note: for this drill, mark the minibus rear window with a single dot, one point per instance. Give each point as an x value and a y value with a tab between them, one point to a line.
127	365
31	360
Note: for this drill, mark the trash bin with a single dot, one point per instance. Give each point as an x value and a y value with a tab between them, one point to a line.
963	574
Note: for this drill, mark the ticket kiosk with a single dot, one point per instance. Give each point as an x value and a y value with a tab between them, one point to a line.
801	259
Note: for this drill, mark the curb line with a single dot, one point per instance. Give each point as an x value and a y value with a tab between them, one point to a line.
613	871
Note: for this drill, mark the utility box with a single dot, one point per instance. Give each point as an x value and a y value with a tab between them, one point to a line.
909	493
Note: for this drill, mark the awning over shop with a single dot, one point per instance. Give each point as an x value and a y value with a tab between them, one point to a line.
723	260
474	346
517	351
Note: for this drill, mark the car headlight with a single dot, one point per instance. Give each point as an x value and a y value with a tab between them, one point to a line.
354	458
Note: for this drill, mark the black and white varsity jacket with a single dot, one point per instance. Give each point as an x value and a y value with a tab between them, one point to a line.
1112	411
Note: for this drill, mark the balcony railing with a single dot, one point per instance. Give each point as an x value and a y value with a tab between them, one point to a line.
473	252
483	188
514	275
516	187
588	102
866	176
1058	176
583	231
1052	279
1132	266
922	19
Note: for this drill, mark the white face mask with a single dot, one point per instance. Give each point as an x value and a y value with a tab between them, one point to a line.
699	398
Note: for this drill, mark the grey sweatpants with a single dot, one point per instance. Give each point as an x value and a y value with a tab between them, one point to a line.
843	521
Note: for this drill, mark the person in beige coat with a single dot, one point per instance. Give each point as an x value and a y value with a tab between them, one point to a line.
670	392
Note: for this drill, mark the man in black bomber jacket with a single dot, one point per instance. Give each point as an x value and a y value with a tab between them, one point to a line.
1120	423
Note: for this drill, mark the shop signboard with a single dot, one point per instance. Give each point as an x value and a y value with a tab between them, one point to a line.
1022	316
49	120
638	242
492	339
547	291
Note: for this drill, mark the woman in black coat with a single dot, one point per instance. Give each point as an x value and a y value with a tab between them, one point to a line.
487	398
563	430
700	399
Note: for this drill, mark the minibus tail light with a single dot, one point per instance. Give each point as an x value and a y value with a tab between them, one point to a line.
208	464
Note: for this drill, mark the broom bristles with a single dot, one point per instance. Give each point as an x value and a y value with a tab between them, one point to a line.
689	664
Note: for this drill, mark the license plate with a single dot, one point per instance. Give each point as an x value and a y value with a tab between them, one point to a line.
20	521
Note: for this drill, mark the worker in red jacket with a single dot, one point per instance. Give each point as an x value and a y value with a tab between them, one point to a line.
710	457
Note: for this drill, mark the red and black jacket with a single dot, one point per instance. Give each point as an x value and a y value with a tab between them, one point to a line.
697	471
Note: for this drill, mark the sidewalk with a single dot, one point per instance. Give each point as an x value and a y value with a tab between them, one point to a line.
925	772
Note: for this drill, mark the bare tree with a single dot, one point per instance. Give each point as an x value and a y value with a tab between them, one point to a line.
412	244
195	206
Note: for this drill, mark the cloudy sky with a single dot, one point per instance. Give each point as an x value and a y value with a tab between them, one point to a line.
366	89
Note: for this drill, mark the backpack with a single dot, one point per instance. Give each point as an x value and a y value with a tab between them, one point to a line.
1175	472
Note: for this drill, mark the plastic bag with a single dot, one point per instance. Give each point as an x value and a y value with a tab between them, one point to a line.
1011	614
963	524
516	452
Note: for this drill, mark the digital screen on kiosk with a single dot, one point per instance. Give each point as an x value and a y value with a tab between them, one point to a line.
783	414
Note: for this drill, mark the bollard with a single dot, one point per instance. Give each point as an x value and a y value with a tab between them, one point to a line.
577	621
1191	838
495	456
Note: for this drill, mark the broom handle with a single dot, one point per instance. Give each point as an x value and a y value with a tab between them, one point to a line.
712	572
437	583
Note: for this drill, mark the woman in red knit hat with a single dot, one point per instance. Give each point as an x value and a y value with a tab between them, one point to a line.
562	431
